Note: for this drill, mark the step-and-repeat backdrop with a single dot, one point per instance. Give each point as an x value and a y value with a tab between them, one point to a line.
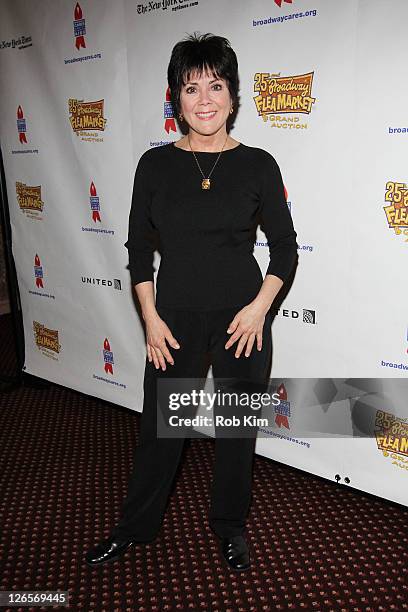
84	94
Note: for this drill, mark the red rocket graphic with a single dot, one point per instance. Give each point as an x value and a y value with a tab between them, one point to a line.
170	123
95	205
279	2
107	356
38	271
79	27
281	419
21	125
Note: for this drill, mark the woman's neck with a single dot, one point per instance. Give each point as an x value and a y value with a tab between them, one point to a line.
212	144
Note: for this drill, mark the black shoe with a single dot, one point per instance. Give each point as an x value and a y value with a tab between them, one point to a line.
235	552
108	550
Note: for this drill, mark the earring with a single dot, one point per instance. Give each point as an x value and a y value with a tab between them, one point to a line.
231	110
181	117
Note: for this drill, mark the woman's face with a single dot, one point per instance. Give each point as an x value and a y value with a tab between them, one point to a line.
205	103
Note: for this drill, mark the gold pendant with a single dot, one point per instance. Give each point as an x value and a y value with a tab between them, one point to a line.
205	183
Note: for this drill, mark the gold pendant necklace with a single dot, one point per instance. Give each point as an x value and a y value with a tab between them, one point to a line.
206	183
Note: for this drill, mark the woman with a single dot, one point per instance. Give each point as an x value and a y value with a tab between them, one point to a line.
203	197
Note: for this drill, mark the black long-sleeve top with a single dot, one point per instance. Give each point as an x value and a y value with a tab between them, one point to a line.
206	237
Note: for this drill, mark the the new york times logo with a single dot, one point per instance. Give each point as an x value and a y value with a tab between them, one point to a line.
164	5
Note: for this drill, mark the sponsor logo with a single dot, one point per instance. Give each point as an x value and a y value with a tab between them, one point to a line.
39	280
280	99
29	200
21	126
174	5
279	2
169	121
308	315
79	28
22	42
392	438
108	362
79	31
38	272
286	198
94	202
107	357
94	208
86	117
114	283
47	340
396	211
282	410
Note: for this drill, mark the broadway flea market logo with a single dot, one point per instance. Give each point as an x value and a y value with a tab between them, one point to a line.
86	117
29	199
392	438
47	340
278	96
397	209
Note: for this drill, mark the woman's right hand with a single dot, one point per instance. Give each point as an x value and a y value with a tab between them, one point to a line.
157	332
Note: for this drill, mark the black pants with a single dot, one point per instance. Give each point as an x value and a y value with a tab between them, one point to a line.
202	337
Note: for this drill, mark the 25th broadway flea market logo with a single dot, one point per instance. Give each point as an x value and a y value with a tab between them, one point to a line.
397	209
278	96
29	199
47	340
86	117
392	437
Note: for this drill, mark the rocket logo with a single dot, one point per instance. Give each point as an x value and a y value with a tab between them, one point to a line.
38	272
107	357
169	123
279	2
21	125
79	28
283	408
94	201
289	204
286	198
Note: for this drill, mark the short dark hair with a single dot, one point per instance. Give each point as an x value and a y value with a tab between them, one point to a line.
196	53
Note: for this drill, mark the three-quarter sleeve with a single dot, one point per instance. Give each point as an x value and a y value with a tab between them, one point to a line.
141	233
276	221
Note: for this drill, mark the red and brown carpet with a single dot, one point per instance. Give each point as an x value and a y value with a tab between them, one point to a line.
65	461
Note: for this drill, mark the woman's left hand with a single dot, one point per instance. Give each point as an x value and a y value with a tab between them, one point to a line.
247	325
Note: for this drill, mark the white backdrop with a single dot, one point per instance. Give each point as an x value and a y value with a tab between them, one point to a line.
83	95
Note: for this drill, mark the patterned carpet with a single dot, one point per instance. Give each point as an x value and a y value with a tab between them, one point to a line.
65	460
